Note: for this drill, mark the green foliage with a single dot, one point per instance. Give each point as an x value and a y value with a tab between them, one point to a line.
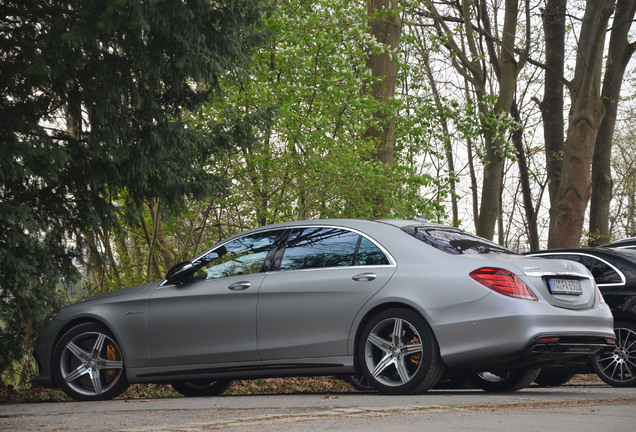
303	113
93	96
313	161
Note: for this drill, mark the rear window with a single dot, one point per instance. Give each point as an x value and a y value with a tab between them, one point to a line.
603	273
453	241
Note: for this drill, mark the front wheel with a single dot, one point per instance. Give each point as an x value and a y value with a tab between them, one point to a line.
359	382
398	354
504	381
199	388
88	364
618	368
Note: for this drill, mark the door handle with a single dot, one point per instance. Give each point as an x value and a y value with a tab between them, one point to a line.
239	286
364	277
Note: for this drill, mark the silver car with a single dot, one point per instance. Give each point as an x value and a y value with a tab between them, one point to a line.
394	302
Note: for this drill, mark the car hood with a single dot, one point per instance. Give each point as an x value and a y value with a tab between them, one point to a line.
129	292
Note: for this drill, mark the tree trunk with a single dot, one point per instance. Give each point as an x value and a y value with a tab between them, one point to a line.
552	104
619	53
448	149
567	214
386	27
526	191
493	171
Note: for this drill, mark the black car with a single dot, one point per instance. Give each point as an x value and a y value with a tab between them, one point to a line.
614	270
626	243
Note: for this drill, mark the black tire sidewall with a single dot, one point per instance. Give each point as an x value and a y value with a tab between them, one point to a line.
214	388
593	362
550	378
518	379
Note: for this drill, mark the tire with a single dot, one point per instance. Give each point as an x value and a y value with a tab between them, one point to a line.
618	367
88	364
504	382
359	382
455	383
200	388
398	354
552	378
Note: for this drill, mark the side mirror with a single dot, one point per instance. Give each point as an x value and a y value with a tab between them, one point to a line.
179	273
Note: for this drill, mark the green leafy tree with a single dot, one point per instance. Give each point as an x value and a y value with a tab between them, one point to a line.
318	159
93	96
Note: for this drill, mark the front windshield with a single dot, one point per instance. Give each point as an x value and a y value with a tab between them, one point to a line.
453	241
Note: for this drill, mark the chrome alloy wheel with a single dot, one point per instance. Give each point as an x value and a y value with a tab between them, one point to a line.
618	367
393	352
91	364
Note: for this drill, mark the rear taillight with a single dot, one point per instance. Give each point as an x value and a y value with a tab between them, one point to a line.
504	282
601	300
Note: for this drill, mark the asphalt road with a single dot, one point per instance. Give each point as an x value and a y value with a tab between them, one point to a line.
579	407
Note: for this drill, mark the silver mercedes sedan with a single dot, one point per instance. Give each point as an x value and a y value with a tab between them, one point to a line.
396	303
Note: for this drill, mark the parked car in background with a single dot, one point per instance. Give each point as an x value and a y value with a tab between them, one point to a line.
394	301
626	243
614	270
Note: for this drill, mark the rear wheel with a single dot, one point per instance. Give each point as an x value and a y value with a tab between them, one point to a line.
504	381
199	388
398	354
88	364
618	368
552	378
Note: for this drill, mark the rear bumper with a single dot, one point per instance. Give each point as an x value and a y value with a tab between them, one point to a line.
569	345
497	329
548	351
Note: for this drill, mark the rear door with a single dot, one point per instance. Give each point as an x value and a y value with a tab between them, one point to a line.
326	275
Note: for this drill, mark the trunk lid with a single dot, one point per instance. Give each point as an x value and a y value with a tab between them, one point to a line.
562	283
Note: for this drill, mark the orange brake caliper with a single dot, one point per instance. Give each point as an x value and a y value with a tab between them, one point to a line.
111	354
416	358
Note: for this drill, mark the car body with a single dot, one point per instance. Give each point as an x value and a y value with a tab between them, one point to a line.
614	270
626	243
396	301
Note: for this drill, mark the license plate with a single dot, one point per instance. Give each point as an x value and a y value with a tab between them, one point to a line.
565	286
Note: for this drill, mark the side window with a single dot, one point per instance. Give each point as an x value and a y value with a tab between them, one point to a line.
370	254
238	257
603	274
319	248
329	247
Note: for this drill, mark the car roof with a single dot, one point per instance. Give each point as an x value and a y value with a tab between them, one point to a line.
628	255
351	223
630	241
